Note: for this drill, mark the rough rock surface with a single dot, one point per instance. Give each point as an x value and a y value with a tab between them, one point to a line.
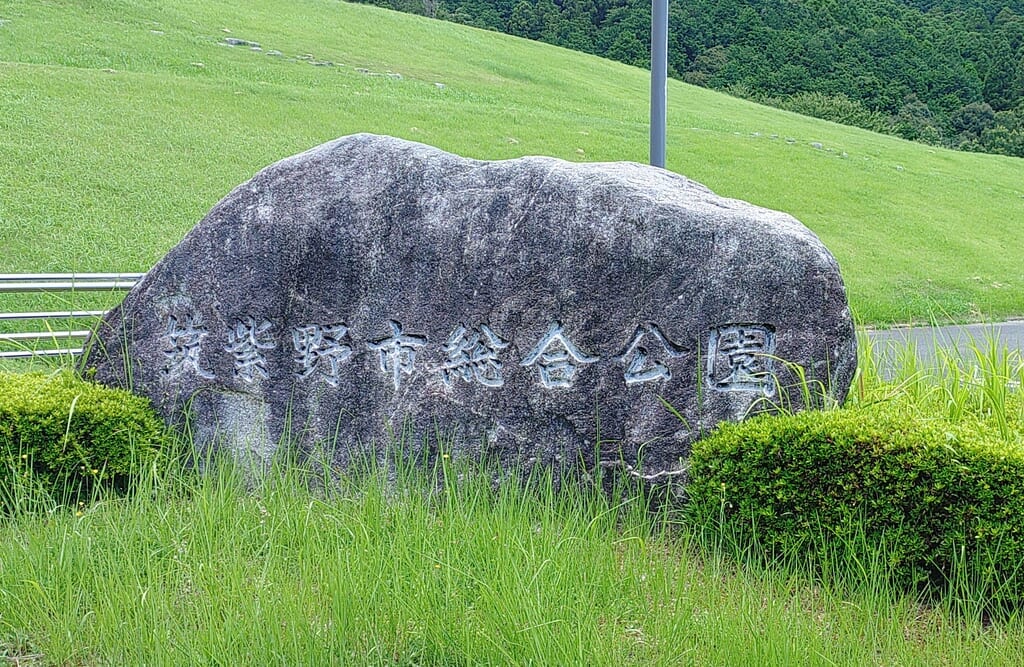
533	309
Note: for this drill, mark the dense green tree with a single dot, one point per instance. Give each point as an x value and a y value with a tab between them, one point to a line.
971	120
626	35
523	21
916	122
1006	135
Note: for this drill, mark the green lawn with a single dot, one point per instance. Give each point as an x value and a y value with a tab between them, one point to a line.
121	123
206	571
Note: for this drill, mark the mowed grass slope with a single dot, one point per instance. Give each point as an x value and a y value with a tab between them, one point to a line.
122	122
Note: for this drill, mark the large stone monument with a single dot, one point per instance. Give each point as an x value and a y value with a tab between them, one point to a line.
534	310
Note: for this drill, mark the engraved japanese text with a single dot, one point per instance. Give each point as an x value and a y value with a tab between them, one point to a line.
397	352
647	354
247	342
472	354
558	360
324	347
185	335
740	358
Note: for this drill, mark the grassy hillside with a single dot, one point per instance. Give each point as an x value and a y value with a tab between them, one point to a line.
123	121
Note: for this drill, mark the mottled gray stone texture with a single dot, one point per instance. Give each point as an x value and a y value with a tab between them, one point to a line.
533	310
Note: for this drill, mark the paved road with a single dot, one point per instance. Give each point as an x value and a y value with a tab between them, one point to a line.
961	337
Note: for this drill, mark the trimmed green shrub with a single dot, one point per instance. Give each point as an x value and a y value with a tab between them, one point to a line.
938	496
67	435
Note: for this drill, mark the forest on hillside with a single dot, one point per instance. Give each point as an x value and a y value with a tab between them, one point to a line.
942	72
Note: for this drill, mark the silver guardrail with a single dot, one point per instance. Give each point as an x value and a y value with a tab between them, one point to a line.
49	283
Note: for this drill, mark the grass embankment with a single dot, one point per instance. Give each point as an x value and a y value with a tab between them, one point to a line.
122	123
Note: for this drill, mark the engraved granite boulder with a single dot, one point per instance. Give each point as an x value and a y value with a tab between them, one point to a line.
534	310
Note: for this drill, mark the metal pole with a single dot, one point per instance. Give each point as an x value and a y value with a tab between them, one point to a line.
659	79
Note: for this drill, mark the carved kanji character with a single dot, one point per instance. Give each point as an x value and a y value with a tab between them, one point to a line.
186	336
740	358
646	356
246	342
473	355
557	358
316	343
398	352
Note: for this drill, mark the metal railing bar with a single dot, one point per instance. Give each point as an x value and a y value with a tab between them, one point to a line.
41	335
56	283
53	315
28	354
96	286
72	277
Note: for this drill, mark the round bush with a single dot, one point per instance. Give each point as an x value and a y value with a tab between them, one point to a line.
69	435
937	495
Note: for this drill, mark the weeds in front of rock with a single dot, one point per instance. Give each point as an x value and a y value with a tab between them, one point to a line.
385	565
376	569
